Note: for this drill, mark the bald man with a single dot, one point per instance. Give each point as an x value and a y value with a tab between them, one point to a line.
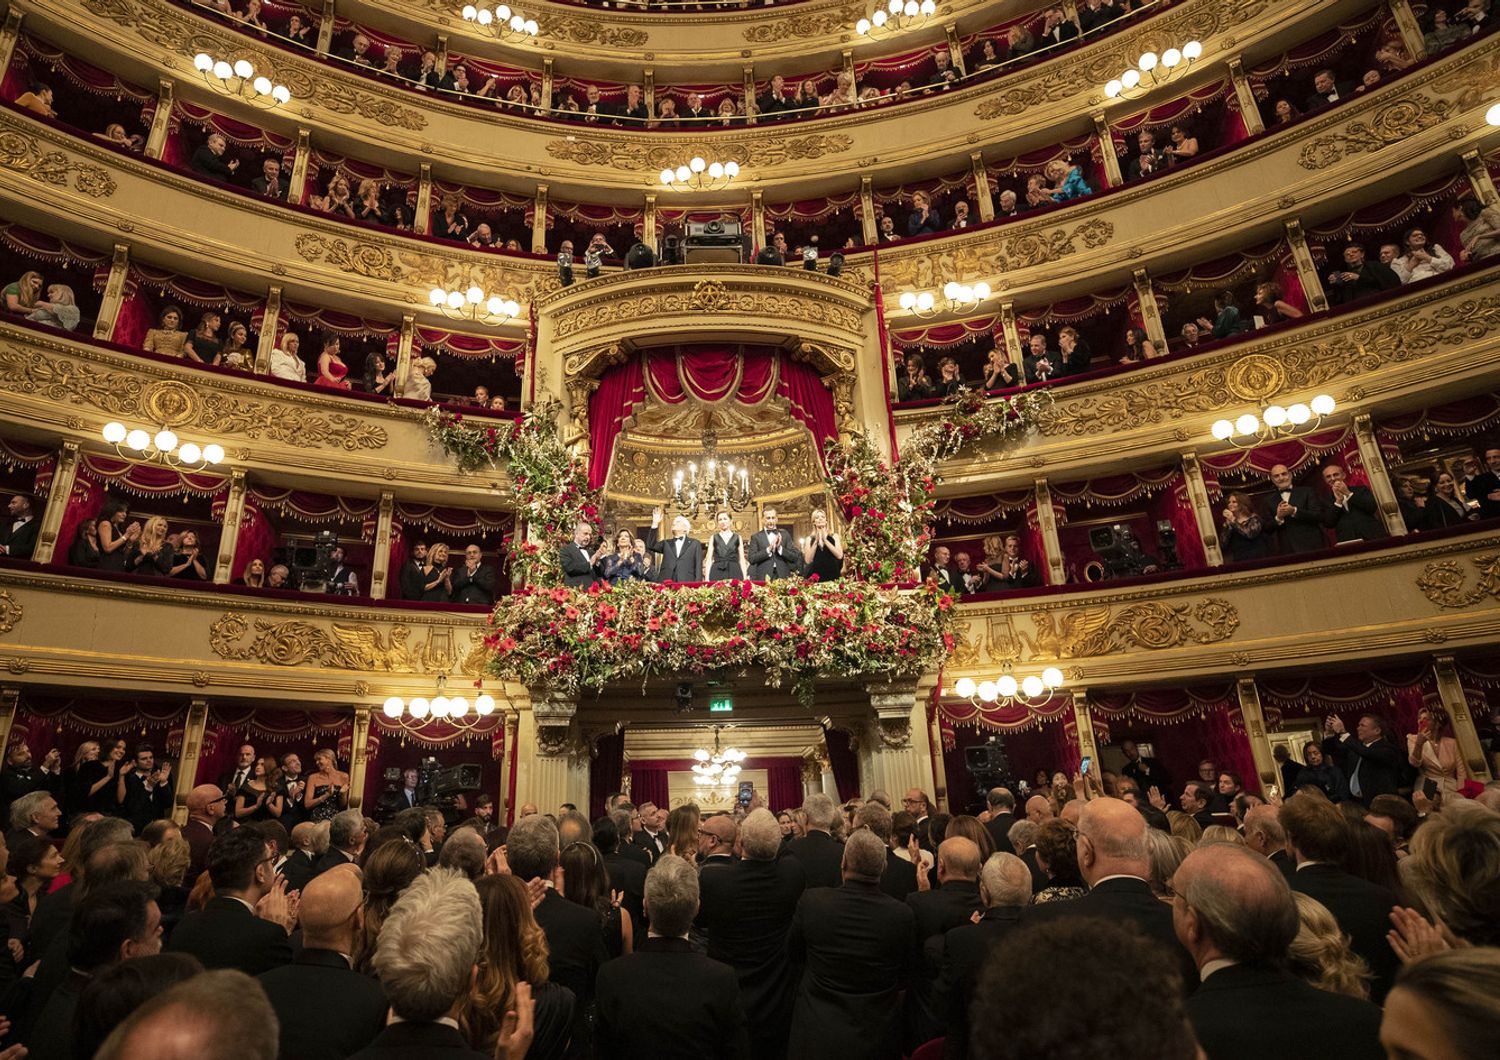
1039	809
326	1008
716	838
1265	836
205	805
956	897
1112	860
298	866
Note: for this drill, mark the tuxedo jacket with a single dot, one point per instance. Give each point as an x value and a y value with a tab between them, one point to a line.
141	807
1303	530
629	875
261	185
1123	899
413	581
950	905
417	1041
324	1007
998	827
961	955
578	569
19	541
476	588
654	848
332	859
765	566
944	576
298	869
1247	1013
703	1017
1359	519
1380	764
822	858
575	941
1478	489
675	566
1363	912
225	934
899	878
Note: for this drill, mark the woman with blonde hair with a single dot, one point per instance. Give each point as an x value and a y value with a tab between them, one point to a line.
59	310
1433	751
1320	953
1165	852
1220	833
682	832
327	790
1184	826
255	574
24	295
167	863
1067	181
437	576
418	385
153	554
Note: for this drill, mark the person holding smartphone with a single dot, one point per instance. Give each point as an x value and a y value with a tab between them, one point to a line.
1433	751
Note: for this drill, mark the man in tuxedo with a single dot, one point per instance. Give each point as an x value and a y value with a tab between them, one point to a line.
205	805
625	864
632	112
425	960
681	555
945	75
1235	915
346	841
1148	773
34	814
1485	486
21	775
143	789
324	1007
916	803
231	780
717	836
270	182
208	160
412	580
695	113
745	915
344	581
651	838
1113	862
961	218
1353	513
298	868
702	1015
1041	364
939	570
407	797
577	561
293	787
473	583
1370	761
1005	887
856	946
1057	28
956	898
1315	839
228	932
775	102
1149	158
1002	807
1359	277
1327	89
18	531
817	851
1294	515
772	553
1196	801
900	876
1265	836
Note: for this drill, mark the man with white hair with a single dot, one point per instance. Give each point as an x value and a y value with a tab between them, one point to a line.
1005	886
681	555
702	1016
346	840
856	945
464	852
1265	836
34	814
956	897
819	853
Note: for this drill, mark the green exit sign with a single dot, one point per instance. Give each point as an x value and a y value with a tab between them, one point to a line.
720	705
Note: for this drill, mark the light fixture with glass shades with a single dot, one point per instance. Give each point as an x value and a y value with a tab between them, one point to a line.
897	16
501	23
1153	70
440	707
239	79
1492	116
473	304
163	447
957	298
700	175
1033	690
1274	424
715	485
716	772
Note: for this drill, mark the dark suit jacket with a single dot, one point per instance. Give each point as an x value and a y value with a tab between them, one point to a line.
1039	877
141	807
1283	861
20	542
17	782
577	570
199	837
939	911
1302	531
767	567
703	1017
1359	520
412	580
325	1008
298	869
961	956
1363	910
1247	1013
207	164
1374	277
575	941
478	588
1344	89
998	827
331	859
1380	765
858	950
654	848
899	878
1123	899
822	858
419	1041
629	875
687	567
225	934
53	917
260	185
1479	489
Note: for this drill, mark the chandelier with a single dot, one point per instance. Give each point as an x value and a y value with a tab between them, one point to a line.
715	487
715	772
1274	424
898	16
1153	71
239	79
957	298
161	448
440	706
700	175
501	23
1031	691
474	305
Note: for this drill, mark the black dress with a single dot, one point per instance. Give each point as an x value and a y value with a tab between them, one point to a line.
103	800
156	564
825	565
83	553
261	813
189	573
1440	513
113	560
724	565
1247	544
439	592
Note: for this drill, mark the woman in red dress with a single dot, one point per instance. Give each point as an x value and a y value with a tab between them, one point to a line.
331	367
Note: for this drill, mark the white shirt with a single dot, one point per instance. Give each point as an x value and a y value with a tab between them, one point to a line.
287	366
1214	966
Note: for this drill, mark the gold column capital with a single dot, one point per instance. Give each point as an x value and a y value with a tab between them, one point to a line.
193	728
1479	177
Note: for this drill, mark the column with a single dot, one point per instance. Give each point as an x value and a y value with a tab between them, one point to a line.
1411	32
1479	177
380	563
114	293
1057	572
403	353
890	754
1456	703
539	223
325	29
8	35
1107	151
1083	723
229	534
423	216
758	220
442	53
867	211
939	770
57	502
193	727
359	754
1203	512
1307	272
848	63
1249	105
1255	728
502	804
547	84
270	324
1012	336
161	121
648	235
1156	331
296	183
10	699
580	390
983	201
1380	480
955	49
748	86
555	770
648	91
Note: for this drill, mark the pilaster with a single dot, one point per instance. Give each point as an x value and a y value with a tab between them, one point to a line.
890	752
269	326
63	477
1107	154
359	754
380	564
9	34
1380	479
1479	177
325	29
1083	723
296	181
161	121
10	701
984	202
114	293
1057	570
229	534
1203	513
955	49
539	223
1410	30
1245	95
1307	269
648	231
1254	719
1456	703
867	211
1012	337
758	235
193	727
1156	331
403	353
422	218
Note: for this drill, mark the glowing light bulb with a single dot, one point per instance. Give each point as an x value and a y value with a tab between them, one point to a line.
1247	424
863	26
495	306
458	706
1032	686
190	453
1007	685
517	23
138	440
731	169
929	7
1114	88
223	71
966	293
281	94
203	62
701	755
1322	405
1147	62
925	301
1052	677
484	705
1192	50
455	299
1130	78
895	6
1223	430
1171	57
475	295
1492	116
165	440
503	12
243	69
879	18
1275	416
393	707
262	86
114	432
440	706
213	453
950	290
716	170
987	691
697	165
437	296
512	308
911	8
667	176
1299	414
470	14
531	27
908	302
964	687
684	174
981	290
419	708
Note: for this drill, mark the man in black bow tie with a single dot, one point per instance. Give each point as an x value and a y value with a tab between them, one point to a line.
681	556
772	554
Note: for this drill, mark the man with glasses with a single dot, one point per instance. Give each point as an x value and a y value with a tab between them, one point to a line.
915	803
234	930
205	805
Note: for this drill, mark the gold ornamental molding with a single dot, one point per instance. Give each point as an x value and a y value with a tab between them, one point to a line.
400	261
806	26
1444	582
651	154
26	154
345	646
11	611
1097	630
1392	123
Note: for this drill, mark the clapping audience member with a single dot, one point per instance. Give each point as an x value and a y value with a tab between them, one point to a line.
474	583
286	361
418	385
187	560
340	199
1149	158
116	540
923	220
1226	322
114	133
208	161
1480	237
451	223
1182	146
235	930
1353	514
1421	260
387	871
1067	181
915	385
999	373
151	554
950	377
1359	277
1243	537
437	576
1041	363
270	183
1445	507
1008	569
84	552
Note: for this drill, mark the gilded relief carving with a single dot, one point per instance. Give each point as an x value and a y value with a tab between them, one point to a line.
1444	582
1101	630
578	30
396	264
775	471
25	154
804	27
1392	123
11	611
648	157
175	404
1035	248
925	270
786	309
342	646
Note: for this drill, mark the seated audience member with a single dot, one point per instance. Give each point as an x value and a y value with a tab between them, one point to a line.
286	361
1036	192
203	343
1484	488
1421	260
254	576
37	99
887	230
1226	322
270	183
944	75
968	579
1359	277
1444	32
1138	347
1149	158
18	529
208	160
1480	236
1019	41
1445	506
1353	512
961	217
1243	536
1182	146
59	310
1067	181
233	931
855	946
279	577
324	1007
923	219
705	1017
1271	306
914	384
1327	90
1041	363
1191	336
168	337
1057	27
1007	206
1235	915
938	571
1285	112
633	110
237	353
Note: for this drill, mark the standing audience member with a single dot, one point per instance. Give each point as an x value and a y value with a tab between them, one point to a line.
1372	762
817	851
112	996
235	930
1444	1007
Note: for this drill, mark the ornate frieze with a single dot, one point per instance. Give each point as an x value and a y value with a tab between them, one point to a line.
1390	124
929	267
1445	582
392	262
1102	630
11	611
342	646
26	154
806	25
647	154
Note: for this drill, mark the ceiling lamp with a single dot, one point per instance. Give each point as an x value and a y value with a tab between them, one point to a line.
1031	691
161	448
473	304
957	298
700	175
716	772
502	23
239	79
416	712
1152	71
896	17
1274	424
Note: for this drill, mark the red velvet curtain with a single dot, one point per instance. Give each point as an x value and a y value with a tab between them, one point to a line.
84	503
648	783
784	784
844	762
257	536
604	771
620	390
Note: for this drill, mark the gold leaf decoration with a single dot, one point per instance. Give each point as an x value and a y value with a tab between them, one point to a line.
1444	582
654	157
1035	248
590	31
1392	123
784	308
1149	626
295	642
25	154
393	263
804	26
11	611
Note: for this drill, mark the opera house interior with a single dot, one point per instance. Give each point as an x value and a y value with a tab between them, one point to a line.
750	528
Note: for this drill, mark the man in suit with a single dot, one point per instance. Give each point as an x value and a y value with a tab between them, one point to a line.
651	838
717	836
1041	364
1371	762
626	874
1353	513
1196	801
956	898
299	867
36	814
232	780
1359	277
939	571
228	932
772	554
473	583
900	876
205	805
577	561
1293	515
1113	862
346	841
1315	838
412	580
1326	90
1483	487
817	851
324	1007
1148	773
857	949
1235	915
775	101
1149	159
695	113
208	160
425	960
960	954
1265	836
18	531
343	581
702	1015
21	775
143	789
681	556
1002	807
1057	28
270	183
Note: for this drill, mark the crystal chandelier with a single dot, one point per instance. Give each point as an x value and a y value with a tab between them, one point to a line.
714	486
716	772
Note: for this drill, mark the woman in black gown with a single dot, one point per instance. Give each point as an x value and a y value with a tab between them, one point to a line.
437	576
1445	507
726	552
822	555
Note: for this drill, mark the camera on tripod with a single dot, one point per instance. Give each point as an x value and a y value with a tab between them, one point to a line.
311	566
